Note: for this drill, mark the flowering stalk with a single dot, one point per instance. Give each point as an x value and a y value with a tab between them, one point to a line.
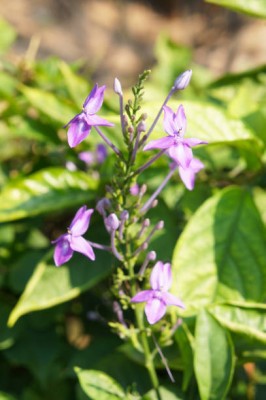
124	209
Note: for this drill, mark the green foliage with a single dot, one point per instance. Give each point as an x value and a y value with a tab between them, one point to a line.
55	319
255	8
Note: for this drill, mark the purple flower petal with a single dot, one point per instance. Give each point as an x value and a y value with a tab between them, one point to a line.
163	143
78	130
168	122
172	300
94	101
95	120
81	221
144	295
180	120
193	142
181	154
188	174
155	310
161	276
63	251
78	243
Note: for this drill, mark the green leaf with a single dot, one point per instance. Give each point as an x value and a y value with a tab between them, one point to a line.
214	358
166	393
255	8
44	191
99	386
77	86
49	286
49	104
248	319
221	253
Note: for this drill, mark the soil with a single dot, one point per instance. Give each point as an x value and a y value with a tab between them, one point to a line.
117	38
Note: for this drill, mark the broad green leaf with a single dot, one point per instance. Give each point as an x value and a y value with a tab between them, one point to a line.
214	358
99	386
255	8
44	191
220	256
166	393
49	104
49	286
246	319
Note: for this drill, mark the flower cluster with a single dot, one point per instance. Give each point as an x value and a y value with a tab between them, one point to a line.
125	206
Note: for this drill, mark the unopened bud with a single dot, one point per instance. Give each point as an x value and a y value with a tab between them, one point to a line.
118	87
124	215
102	205
141	127
183	80
112	222
152	255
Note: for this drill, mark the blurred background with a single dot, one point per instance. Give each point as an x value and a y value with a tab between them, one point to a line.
119	38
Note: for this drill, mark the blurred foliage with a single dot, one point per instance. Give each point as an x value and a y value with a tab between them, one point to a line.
216	234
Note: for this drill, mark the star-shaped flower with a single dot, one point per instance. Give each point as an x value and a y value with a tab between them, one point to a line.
80	126
157	298
178	148
72	241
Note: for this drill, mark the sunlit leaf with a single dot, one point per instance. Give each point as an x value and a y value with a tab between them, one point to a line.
7	35
99	386
45	191
49	286
246	319
214	358
221	254
255	8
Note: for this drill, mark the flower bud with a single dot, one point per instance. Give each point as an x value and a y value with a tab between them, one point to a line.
183	80
102	205
118	87
141	127
112	222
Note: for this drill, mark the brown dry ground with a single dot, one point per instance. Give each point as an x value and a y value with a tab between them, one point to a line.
117	38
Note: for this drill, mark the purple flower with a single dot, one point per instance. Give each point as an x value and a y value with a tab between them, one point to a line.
80	126
178	148
188	174
157	298
72	240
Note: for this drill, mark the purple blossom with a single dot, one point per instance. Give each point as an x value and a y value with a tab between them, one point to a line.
157	298
94	157
188	174
72	241
80	126
178	148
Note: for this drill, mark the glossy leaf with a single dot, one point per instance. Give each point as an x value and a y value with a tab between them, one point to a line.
44	191
214	358
255	8
49	286
220	256
248	319
49	104
99	386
